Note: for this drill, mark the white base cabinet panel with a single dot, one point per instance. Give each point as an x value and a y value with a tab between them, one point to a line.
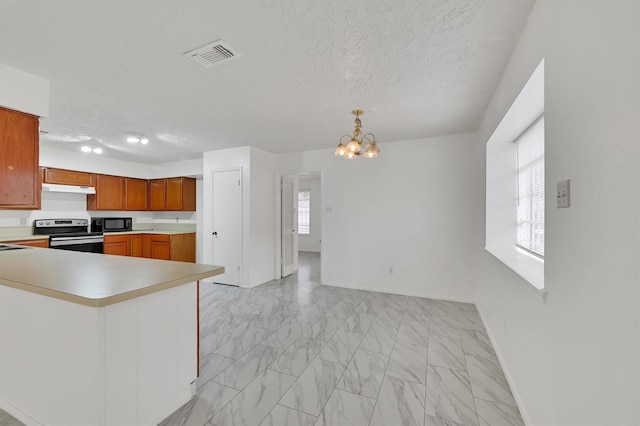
130	363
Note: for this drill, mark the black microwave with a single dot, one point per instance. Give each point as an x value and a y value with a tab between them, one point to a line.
111	224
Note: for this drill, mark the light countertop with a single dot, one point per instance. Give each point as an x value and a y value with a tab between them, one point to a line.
94	279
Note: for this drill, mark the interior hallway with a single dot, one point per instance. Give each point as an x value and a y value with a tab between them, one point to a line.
294	352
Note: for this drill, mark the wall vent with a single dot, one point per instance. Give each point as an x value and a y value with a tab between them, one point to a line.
215	53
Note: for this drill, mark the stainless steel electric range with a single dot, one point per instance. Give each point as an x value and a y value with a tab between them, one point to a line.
70	234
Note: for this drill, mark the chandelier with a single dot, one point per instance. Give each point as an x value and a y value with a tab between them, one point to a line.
355	147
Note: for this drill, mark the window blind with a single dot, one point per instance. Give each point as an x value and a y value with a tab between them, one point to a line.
304	204
530	212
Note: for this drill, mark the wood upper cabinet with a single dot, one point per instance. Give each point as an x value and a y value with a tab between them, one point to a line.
135	194
181	194
157	191
116	244
19	171
109	193
68	177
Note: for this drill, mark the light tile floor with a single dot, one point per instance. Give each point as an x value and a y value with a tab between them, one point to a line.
292	352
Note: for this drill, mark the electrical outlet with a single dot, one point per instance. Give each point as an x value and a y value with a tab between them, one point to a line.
23	221
562	196
135	219
390	271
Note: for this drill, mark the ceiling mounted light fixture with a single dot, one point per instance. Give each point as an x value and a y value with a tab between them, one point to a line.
88	149
356	145
135	139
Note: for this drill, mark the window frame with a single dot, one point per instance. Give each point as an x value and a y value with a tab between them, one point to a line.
308	224
520	171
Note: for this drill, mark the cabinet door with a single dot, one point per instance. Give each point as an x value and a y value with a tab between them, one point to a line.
157	194
19	172
146	246
68	177
183	247
109	194
44	243
160	247
136	244
135	194
181	194
116	244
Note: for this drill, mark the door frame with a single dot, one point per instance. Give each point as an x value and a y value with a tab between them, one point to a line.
208	221
294	216
277	266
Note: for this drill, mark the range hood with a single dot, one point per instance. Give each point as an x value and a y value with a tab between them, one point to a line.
52	187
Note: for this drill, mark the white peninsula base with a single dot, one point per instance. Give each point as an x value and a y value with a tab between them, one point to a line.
129	363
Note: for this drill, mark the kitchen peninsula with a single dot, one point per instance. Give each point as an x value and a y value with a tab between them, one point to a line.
89	339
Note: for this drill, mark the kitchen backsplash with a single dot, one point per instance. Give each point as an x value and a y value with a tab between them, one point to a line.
67	205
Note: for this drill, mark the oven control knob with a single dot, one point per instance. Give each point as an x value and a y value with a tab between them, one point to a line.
46	223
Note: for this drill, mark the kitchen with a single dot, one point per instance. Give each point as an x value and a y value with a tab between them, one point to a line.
77	305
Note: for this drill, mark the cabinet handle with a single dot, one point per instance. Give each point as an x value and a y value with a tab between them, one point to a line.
214	233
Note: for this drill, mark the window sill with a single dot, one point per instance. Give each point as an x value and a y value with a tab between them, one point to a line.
528	267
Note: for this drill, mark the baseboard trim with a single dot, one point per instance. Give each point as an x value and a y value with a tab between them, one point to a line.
507	374
18	414
402	293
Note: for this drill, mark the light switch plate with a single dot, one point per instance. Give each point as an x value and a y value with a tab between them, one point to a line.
562	196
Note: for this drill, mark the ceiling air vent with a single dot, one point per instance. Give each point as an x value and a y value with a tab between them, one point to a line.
215	53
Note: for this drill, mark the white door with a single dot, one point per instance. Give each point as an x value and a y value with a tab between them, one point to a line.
289	224
227	225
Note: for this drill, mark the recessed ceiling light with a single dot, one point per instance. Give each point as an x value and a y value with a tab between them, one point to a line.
133	139
97	150
144	141
85	149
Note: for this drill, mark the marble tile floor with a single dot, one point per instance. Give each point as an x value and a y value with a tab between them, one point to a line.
292	352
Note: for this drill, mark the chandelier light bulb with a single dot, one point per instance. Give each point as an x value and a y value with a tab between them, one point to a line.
340	150
144	141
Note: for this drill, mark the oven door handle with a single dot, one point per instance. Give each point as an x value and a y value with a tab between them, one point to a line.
70	241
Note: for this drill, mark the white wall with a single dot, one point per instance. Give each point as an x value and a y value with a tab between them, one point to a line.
21	91
262	218
311	242
226	159
575	359
411	209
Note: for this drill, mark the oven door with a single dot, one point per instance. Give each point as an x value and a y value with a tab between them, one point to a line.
86	244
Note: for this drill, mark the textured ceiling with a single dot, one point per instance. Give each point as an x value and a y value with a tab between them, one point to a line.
418	68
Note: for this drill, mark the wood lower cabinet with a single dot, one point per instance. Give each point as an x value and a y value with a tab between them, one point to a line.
109	193
116	244
135	194
19	171
42	243
68	177
136	245
160	247
178	247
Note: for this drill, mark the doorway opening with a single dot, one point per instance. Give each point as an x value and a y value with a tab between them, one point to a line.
301	226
